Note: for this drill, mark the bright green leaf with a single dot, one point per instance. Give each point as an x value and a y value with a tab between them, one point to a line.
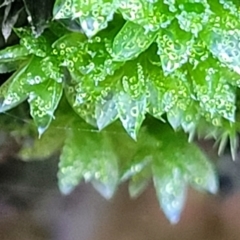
174	46
130	41
43	102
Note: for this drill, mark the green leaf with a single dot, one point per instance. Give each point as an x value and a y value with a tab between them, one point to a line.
12	92
137	169
174	46
8	67
130	41
139	182
194	165
13	53
175	163
89	101
170	187
141	160
88	155
131	113
224	46
43	103
198	52
215	95
194	16
50	67
62	9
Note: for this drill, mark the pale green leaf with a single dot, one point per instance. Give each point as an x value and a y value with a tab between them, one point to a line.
139	182
89	155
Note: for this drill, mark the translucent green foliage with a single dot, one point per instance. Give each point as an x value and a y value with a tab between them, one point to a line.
193	163
137	168
130	41
172	166
88	155
121	72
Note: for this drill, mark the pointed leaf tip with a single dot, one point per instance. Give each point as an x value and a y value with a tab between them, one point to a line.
66	189
107	190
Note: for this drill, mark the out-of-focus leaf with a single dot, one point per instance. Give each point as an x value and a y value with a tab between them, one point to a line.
139	182
228	134
88	154
175	163
35	148
141	160
130	41
194	165
137	169
170	187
